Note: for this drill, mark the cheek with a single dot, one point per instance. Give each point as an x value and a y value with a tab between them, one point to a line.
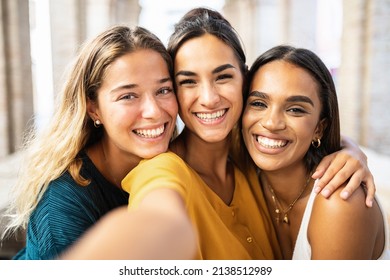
248	120
233	91
121	117
234	96
171	107
239	103
306	129
245	119
250	117
183	98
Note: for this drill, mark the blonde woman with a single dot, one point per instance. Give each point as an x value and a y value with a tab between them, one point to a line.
116	108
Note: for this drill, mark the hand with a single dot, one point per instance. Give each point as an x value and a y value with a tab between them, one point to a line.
337	168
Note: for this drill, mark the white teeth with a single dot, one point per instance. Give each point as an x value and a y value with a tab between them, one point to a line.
150	133
270	143
210	116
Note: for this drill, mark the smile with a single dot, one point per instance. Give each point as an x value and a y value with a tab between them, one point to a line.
271	143
150	133
210	117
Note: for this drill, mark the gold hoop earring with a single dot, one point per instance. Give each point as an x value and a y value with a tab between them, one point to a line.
97	123
316	143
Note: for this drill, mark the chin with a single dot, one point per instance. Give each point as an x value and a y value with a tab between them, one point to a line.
152	153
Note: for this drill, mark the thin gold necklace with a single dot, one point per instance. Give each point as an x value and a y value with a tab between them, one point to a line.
278	210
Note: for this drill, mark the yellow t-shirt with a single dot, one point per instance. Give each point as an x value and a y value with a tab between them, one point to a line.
241	230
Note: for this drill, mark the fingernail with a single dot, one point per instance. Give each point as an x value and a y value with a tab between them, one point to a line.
317	189
344	194
325	192
370	203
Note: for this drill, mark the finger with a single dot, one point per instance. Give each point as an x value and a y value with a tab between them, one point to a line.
333	184
322	167
354	182
371	189
333	177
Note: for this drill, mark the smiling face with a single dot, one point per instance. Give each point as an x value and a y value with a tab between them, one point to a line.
136	104
209	87
281	117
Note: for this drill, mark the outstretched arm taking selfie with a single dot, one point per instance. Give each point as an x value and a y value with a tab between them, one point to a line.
153	231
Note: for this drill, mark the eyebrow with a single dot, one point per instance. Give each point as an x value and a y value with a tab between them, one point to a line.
222	67
185	73
300	98
128	86
164	80
216	70
294	98
258	94
131	86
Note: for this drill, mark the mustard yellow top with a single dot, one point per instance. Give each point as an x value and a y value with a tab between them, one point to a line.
241	230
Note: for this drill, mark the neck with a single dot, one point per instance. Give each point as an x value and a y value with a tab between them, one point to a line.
286	184
210	161
290	191
112	163
204	157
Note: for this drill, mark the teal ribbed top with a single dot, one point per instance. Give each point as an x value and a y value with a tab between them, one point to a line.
67	210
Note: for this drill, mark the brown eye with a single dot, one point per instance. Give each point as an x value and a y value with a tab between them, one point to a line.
165	90
298	111
224	77
187	82
258	104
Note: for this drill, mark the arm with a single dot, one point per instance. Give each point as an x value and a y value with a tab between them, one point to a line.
340	229
348	164
155	230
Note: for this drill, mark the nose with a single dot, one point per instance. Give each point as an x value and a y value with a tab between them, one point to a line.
150	107
209	96
273	120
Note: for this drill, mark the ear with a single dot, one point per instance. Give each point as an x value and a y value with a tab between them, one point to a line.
320	129
93	110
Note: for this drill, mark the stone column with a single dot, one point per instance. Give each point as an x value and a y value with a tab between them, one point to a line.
68	31
125	12
4	118
298	22
376	127
74	21
242	16
263	24
364	73
16	93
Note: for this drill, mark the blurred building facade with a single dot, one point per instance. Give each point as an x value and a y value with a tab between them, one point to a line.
361	74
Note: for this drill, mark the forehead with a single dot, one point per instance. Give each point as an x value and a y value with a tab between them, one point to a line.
140	68
136	63
204	51
138	59
281	77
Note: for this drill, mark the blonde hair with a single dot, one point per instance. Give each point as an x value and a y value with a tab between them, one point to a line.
55	150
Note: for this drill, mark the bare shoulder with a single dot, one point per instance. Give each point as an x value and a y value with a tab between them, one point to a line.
353	210
345	229
334	203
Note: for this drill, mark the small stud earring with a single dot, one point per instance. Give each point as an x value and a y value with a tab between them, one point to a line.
97	123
